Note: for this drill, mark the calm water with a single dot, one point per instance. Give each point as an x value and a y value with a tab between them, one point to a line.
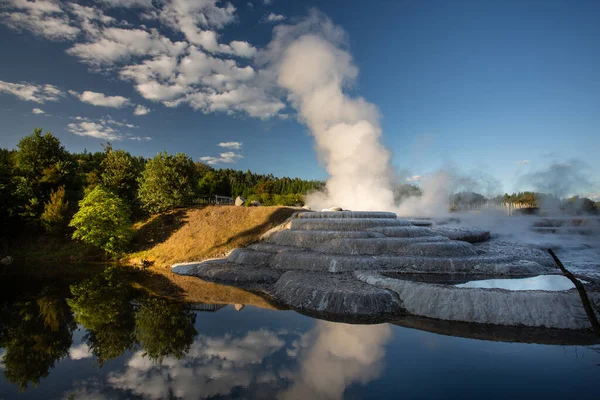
99	340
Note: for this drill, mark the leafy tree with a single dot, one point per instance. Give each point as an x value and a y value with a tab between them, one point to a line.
164	328
167	182
8	201
103	306
103	221
55	216
120	173
43	164
37	334
214	183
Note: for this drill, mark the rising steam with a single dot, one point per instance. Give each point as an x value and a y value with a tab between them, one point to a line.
311	62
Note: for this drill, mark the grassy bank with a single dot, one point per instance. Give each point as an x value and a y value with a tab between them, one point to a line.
190	234
196	234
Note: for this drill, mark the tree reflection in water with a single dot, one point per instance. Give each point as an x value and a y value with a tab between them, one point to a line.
35	334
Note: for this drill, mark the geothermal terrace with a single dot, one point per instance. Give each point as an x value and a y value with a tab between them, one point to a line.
373	266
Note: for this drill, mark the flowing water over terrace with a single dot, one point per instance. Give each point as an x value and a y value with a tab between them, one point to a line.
101	339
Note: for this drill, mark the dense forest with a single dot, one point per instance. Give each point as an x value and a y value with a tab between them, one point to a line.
95	197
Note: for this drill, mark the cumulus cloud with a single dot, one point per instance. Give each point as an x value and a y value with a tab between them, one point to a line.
37	111
100	99
127	3
32	92
414	178
224	158
213	367
41	17
197	69
272	18
104	128
231	145
141	110
523	162
334	356
80	352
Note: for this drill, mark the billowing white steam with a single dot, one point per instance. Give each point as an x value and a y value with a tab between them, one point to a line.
310	62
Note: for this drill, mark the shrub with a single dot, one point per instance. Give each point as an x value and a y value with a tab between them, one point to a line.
103	221
55	218
167	182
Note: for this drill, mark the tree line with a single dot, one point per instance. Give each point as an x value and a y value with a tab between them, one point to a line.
95	197
526	199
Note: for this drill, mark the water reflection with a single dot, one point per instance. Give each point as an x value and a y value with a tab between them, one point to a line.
108	341
333	356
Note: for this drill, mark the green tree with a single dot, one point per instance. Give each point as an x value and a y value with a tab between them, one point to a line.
37	334
168	182
55	216
120	173
214	183
164	328
42	164
103	306
103	221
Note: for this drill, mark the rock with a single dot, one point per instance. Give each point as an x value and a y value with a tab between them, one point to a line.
465	234
333	209
562	310
344	296
239	201
307	208
221	271
6	260
238	307
255	203
369	266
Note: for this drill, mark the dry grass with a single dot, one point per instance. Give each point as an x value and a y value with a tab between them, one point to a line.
197	234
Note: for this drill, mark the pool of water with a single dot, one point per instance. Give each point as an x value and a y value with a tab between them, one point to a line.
541	282
99	340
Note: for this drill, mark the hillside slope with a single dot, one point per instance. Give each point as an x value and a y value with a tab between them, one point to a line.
196	234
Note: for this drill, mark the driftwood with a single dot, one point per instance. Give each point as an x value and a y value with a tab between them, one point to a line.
585	300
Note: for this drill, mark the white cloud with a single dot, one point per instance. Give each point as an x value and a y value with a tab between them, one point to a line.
272	17
41	17
523	162
197	20
199	70
37	111
32	92
231	145
141	110
224	158
80	352
100	99
127	3
213	367
118	44
414	178
105	128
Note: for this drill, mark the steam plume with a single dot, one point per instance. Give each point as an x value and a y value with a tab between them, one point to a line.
311	62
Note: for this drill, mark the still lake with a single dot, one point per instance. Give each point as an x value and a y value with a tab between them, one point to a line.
99	339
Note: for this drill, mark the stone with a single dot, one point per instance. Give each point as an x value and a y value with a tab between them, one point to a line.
8	260
372	266
561	310
239	201
341	297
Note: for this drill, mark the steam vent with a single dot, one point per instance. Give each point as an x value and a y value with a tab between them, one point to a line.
373	267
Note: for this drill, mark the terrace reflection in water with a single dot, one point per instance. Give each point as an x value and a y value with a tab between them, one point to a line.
101	340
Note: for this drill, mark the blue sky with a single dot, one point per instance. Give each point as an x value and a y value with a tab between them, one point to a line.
492	88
